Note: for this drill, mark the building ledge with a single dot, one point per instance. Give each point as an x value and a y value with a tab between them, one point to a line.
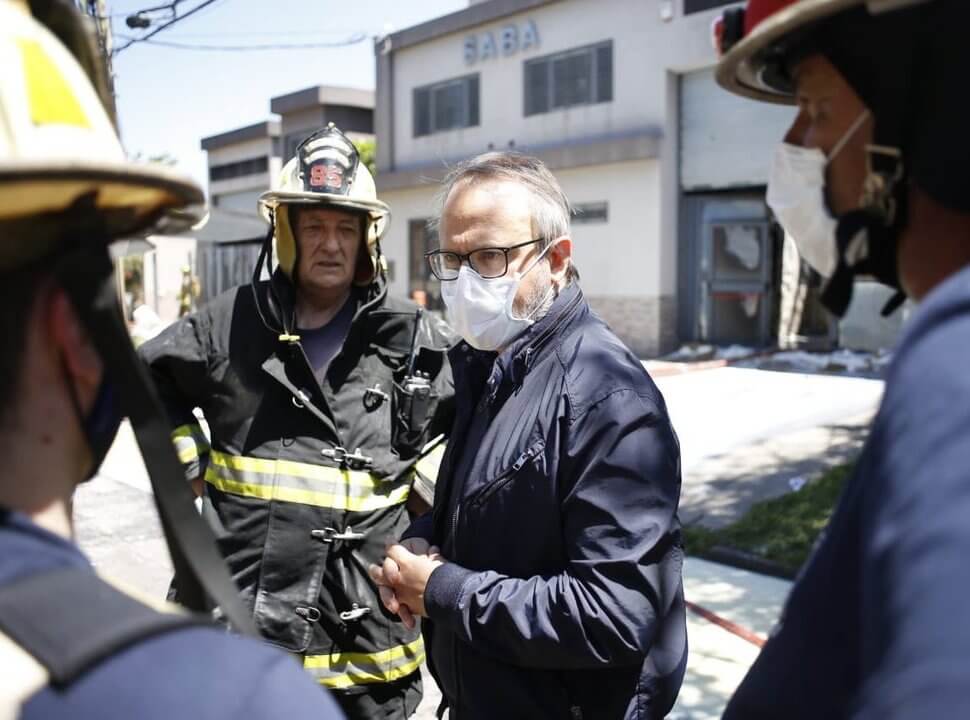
639	144
322	95
471	16
257	131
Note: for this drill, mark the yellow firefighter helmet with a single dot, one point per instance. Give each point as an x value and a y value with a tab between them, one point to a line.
58	144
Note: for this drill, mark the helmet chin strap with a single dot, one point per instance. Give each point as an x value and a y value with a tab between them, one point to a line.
867	238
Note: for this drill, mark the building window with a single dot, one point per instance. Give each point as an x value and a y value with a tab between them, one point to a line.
242	168
446	105
589	213
693	6
577	77
423	287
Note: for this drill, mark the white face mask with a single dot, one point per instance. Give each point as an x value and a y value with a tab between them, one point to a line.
796	194
480	309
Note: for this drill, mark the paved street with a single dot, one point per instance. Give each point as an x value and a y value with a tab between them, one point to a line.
744	433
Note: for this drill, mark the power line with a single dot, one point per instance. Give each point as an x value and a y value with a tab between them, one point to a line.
352	40
144	11
171	22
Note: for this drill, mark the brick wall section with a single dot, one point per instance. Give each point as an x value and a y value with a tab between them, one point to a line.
647	325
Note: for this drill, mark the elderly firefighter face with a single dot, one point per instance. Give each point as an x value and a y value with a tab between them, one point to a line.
329	244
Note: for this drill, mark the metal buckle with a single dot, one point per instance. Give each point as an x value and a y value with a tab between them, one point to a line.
880	183
310	614
355	613
329	534
354	461
374	397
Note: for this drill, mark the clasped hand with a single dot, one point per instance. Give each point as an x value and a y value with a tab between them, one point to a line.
403	576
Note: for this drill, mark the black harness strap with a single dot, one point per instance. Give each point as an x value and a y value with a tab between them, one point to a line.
70	620
201	573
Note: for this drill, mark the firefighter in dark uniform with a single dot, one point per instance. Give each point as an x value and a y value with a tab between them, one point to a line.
325	400
73	645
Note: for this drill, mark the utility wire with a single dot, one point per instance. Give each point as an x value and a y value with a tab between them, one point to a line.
171	22
144	11
352	40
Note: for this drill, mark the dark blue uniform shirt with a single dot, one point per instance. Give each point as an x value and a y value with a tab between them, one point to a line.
878	624
189	673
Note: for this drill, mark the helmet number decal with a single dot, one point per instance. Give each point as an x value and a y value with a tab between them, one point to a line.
326	176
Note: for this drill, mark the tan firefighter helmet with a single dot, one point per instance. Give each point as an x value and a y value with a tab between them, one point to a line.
327	171
59	150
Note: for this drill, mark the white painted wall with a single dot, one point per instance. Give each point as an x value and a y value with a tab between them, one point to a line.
645	48
618	257
163	274
501	82
406	205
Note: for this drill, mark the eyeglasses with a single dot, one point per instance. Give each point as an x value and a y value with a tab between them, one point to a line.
489	262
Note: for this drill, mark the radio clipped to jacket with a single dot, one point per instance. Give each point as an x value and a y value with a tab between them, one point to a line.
413	400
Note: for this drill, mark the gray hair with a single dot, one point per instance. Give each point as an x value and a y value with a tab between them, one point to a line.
550	207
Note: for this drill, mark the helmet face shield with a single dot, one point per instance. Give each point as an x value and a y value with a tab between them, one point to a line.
328	162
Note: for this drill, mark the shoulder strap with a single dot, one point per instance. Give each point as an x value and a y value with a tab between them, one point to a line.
70	620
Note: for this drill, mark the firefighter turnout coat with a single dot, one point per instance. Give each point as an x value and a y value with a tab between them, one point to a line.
306	481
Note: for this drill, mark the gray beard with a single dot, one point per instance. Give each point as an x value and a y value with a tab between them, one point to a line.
541	298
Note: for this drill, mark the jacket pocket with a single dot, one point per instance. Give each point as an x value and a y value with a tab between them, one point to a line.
481	496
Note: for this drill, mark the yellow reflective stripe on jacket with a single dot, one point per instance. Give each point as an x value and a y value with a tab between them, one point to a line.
304	483
342	670
190	442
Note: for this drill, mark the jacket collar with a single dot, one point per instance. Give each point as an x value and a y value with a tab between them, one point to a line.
515	361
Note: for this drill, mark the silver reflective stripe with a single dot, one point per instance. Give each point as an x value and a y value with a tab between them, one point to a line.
190	442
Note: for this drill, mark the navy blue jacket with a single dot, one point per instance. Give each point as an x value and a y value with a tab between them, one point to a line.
557	507
192	673
877	627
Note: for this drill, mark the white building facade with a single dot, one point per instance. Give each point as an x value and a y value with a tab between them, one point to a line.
242	163
667	171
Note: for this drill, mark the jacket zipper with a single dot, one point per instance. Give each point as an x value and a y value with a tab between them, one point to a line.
506	477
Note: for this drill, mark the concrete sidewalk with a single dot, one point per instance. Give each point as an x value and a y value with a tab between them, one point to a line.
718	659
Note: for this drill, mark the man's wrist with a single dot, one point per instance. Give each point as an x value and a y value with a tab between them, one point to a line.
443	591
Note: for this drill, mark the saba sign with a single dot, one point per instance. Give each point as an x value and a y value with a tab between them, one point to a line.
507	41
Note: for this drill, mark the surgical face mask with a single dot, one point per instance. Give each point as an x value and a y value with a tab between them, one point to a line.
796	194
101	424
480	309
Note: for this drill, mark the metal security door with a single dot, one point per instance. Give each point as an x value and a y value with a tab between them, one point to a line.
736	288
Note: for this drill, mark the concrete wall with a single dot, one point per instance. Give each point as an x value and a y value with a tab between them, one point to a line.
501	82
163	274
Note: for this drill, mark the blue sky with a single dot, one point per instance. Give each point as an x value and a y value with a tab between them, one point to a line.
168	99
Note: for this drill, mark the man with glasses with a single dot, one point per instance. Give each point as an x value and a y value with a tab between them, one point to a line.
549	571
